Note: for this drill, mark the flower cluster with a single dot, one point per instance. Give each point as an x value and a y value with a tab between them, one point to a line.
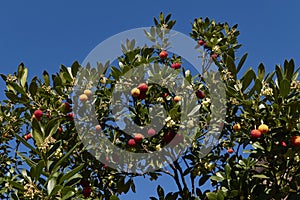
266	90
47	144
31	190
170	122
295	85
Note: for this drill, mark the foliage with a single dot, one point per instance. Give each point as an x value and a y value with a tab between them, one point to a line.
54	164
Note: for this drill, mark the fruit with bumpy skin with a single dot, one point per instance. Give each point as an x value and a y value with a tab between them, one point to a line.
177	99
263	128
201	42
98	127
230	150
138	137
200	94
255	133
87	92
38	114
296	140
163	54
143	87
28	136
237	127
83	98
131	143
151	132
87	191
135	92
60	129
175	65
70	116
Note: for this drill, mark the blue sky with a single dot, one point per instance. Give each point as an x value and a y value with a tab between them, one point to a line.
45	35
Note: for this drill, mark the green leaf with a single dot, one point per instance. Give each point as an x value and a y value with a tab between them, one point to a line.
30	162
52	126
16	185
67	192
278	70
262	176
289	69
231	66
261	72
37	132
24	77
51	184
33	88
160	192
70	174
46	78
284	88
247	79
114	197
211	196
242	61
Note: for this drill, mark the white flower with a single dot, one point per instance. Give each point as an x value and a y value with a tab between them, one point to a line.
187	73
157	147
168	119
121	65
261	106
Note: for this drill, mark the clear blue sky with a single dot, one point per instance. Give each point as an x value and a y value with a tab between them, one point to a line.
46	34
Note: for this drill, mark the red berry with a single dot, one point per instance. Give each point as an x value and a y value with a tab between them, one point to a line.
163	54
60	130
67	106
87	191
98	127
205	44
166	94
28	136
282	143
151	132
296	140
201	42
131	143
230	150
214	56
177	99
38	114
143	87
255	133
138	137
176	65
200	94
70	116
